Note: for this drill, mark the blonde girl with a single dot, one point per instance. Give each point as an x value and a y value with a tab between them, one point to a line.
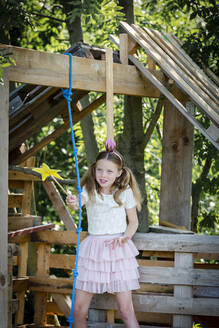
107	260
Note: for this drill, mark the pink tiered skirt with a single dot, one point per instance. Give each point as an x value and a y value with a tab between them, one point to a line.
107	267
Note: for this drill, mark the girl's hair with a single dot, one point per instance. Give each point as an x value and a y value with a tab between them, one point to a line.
125	180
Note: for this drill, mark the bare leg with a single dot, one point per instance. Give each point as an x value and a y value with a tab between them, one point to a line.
81	306
126	309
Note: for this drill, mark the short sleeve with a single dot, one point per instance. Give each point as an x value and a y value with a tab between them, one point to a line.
130	201
85	194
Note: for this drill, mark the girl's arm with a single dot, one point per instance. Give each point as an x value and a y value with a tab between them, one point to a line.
72	201
132	224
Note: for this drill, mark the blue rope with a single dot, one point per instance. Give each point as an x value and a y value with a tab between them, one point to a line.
67	94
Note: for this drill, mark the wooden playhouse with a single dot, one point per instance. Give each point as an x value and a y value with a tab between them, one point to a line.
176	289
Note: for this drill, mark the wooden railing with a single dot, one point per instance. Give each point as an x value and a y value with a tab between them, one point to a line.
179	281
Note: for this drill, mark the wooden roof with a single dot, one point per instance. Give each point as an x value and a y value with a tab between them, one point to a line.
178	66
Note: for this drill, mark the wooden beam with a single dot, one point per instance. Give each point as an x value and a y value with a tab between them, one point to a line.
37	67
176	176
162	304
59	204
179	275
177	243
123	45
4	96
58	237
109	93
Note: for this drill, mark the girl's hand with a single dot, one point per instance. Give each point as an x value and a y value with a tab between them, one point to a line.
117	241
72	201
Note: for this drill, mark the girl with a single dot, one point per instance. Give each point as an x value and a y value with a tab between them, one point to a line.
107	256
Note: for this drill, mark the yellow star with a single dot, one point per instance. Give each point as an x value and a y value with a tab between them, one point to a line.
45	171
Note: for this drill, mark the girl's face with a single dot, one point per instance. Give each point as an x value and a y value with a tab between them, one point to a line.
106	173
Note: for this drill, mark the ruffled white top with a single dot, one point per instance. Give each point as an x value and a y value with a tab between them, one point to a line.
105	216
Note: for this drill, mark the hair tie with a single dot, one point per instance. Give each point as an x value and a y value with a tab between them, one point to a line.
110	145
111	148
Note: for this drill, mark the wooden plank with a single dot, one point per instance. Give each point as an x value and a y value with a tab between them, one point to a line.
58	237
184	65
109	93
44	284
4	96
37	67
162	304
179	276
162	229
178	243
183	261
171	69
123	45
31	229
59	205
172	99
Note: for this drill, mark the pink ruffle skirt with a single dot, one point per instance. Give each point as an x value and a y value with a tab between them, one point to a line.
105	266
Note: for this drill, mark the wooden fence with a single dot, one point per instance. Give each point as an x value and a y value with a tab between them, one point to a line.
178	277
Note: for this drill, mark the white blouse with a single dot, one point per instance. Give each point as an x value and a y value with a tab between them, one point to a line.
105	216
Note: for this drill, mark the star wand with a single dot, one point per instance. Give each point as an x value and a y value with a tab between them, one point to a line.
45	172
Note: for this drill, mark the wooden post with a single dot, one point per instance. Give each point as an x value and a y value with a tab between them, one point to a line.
22	272
124	42
109	93
40	298
185	261
176	176
4	96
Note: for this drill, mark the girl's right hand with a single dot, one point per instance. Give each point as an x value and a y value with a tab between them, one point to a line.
72	201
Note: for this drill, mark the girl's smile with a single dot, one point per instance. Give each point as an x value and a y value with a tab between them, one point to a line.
106	173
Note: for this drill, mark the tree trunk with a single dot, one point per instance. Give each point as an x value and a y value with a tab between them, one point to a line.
132	147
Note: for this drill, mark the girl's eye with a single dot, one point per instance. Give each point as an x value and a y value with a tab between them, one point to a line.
110	171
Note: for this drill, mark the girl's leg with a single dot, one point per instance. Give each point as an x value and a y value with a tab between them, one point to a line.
81	306
126	309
